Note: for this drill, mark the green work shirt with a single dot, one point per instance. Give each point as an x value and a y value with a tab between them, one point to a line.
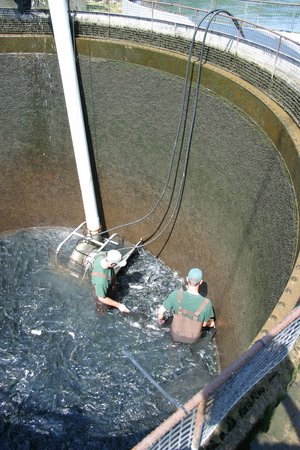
190	302
101	278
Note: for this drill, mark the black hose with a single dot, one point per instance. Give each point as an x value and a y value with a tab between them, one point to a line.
172	153
180	131
176	209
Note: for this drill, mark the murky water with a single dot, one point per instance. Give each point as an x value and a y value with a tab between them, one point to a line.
64	379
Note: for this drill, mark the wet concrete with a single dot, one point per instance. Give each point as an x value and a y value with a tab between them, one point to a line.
238	219
284	430
280	429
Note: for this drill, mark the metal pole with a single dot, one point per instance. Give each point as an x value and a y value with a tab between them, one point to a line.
66	58
199	422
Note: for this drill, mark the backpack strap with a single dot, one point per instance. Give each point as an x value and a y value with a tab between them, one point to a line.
101	275
193	316
180	295
200	309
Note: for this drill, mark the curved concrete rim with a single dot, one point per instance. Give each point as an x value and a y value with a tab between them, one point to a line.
276	123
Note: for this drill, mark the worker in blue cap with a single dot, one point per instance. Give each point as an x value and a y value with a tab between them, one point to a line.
191	311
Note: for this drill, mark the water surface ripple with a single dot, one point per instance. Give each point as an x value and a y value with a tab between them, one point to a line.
64	381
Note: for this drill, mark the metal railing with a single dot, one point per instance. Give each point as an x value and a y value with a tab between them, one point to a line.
278	54
280	16
209	407
276	15
275	52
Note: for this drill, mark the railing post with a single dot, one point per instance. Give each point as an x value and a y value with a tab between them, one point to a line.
237	41
152	14
199	422
276	57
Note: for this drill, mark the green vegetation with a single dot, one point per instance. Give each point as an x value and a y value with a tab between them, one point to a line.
113	6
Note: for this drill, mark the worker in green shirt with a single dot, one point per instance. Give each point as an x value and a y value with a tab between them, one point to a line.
103	279
191	311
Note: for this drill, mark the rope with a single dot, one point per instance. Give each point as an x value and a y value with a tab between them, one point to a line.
146	374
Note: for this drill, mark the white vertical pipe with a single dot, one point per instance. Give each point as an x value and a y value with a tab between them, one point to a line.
66	59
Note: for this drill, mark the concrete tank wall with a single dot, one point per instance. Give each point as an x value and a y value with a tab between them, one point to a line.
239	218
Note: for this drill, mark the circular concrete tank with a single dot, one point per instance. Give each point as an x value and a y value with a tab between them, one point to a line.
239	216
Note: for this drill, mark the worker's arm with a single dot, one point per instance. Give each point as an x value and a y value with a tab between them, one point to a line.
110	302
160	314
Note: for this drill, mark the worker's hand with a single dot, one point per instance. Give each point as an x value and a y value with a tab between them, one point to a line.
210	323
161	321
123	308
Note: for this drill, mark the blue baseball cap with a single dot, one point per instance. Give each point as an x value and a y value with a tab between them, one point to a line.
195	276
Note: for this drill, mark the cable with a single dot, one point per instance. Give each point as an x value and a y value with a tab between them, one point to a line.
182	120
173	150
179	198
175	212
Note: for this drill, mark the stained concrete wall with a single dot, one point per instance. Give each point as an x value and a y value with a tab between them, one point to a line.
238	219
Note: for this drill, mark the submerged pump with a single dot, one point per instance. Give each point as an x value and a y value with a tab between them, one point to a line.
78	260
